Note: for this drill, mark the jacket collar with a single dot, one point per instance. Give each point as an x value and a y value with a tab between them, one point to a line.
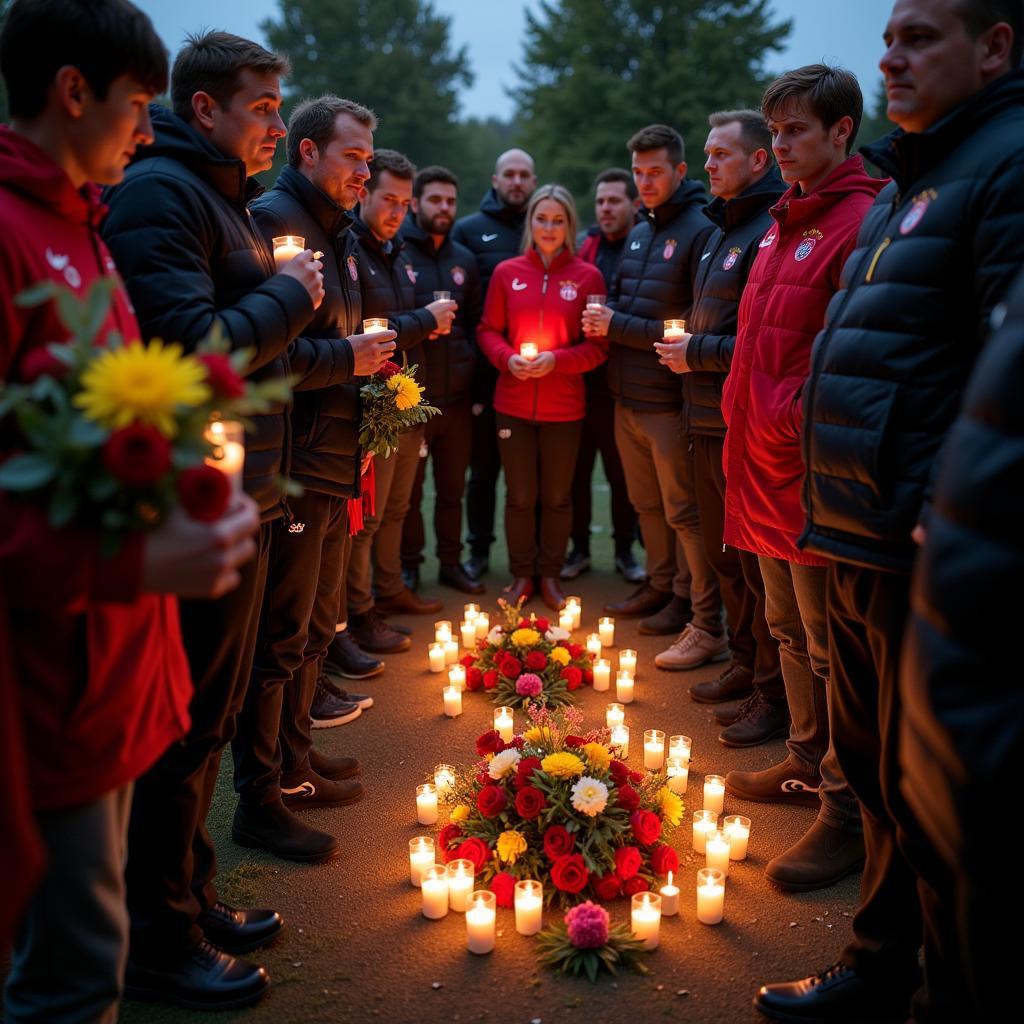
493	206
689	193
753	200
849	177
414	235
333	219
386	250
557	263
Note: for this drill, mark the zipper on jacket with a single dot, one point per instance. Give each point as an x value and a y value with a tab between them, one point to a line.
886	242
540	330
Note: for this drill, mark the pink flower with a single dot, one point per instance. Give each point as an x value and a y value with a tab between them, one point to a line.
529	685
587	925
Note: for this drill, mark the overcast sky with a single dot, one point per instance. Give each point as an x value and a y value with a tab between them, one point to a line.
836	31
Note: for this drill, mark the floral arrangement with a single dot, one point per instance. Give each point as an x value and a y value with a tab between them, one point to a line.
585	944
392	403
554	804
113	435
528	661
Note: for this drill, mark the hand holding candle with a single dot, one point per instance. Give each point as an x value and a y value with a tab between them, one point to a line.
528	350
286	248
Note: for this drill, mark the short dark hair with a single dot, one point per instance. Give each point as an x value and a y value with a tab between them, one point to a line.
435	172
393	162
315	120
659	136
831	94
618	174
213	62
979	15
753	128
104	39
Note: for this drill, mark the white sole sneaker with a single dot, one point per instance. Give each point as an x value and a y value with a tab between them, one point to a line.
342	719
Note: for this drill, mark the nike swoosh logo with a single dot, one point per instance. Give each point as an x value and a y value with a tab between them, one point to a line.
634	245
488	238
796	786
306	789
517	285
705	256
765	242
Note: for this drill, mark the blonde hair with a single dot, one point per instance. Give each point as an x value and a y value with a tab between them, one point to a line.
561	195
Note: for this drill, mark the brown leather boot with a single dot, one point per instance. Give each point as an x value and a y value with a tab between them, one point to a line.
823	857
405	602
643	601
551	593
520	588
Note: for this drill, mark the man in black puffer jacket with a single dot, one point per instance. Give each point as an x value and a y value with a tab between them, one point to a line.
449	362
745	184
181	236
655	283
935	254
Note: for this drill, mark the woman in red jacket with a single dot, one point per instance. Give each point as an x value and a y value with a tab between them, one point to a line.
538	299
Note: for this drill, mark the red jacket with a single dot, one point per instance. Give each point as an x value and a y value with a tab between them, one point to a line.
793	278
525	302
103	680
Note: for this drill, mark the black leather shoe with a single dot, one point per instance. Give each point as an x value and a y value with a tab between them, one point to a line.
736	682
476	566
670	620
758	722
272	827
457	577
346	660
240	931
373	634
204	978
645	600
303	790
335	768
837	994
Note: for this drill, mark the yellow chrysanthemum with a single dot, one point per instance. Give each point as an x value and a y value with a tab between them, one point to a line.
561	655
460	813
537	736
407	391
526	638
671	806
598	756
562	765
511	846
144	383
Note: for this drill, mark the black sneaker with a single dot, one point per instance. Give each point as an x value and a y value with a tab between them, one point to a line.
576	563
303	790
628	567
476	566
328	709
345	659
362	700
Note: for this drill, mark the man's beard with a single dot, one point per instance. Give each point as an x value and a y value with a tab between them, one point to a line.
430	225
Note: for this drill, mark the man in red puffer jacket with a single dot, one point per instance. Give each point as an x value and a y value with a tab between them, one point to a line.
813	114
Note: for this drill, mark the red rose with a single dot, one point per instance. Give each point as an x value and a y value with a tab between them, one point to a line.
510	667
588	677
636	777
221	376
467	660
569	873
607	887
474	679
646	826
572	676
664	859
483	778
475	850
575	651
524	771
536	661
635	885
525	624
491	801
530	801
503	885
40	362
574	741
542	624
619	772
389	369
627	862
204	493
517	741
488	743
490	679
137	455
445	837
558	842
629	798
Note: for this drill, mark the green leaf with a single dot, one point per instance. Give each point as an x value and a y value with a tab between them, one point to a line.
27	472
36	294
85	433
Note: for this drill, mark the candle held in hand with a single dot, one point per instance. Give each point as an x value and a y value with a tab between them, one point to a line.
286	248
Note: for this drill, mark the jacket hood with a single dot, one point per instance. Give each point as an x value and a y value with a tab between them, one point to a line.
689	193
495	207
334	219
729	213
27	169
847	179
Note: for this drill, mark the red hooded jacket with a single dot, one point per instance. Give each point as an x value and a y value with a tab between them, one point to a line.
526	302
103	680
794	276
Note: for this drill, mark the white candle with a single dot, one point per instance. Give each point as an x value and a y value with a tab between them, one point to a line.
444	780
646	918
678	772
593	645
737	831
602	674
451	652
483	625
529	903
480	922
286	248
704	823
434	887
443	631
452	701
714	793
460	884
710	896
470	612
575	605
421	857
679	746
620	739
504	724
606	630
654	750
375	324
436	655
627	661
566	620
595	302
528	350
468	631
426	803
615	714
228	454
624	688
669	898
716	849
673	330
457	676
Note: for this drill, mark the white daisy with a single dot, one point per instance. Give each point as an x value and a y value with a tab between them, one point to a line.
556	635
589	796
505	762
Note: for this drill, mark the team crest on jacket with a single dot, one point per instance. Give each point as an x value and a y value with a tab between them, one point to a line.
803	250
917	210
458	276
730	261
410	272
568	291
353	270
670	248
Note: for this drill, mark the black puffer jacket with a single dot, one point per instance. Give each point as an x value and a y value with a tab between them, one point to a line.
963	723
325	421
724	266
935	254
655	283
492	234
450	358
191	257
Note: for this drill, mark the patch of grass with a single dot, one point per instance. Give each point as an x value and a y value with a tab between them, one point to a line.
241	885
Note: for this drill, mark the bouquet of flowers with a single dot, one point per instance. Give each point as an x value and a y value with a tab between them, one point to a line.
556	805
585	944
528	661
112	436
392	403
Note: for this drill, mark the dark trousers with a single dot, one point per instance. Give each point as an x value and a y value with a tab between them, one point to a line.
739	575
273	728
538	459
906	890
599	436
171	860
449	439
484	468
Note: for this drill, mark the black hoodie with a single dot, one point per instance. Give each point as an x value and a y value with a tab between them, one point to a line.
493	234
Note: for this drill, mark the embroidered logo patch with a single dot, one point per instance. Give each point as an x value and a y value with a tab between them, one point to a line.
353	270
730	261
670	248
296	527
568	291
458	275
804	249
917	210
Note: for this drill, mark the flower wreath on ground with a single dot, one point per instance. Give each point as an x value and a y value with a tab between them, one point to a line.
556	806
528	661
